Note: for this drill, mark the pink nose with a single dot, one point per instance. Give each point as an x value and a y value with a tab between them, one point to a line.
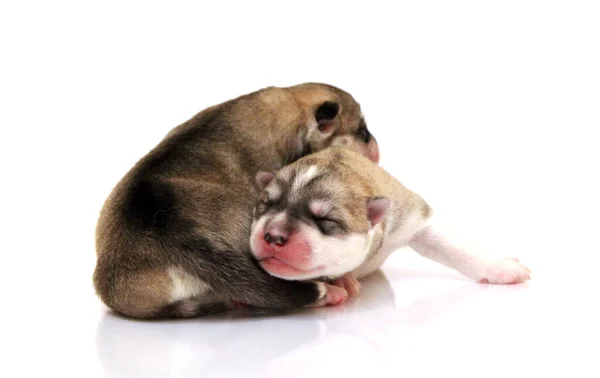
276	233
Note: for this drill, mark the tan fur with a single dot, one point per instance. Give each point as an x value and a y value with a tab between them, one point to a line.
356	179
350	179
136	290
142	292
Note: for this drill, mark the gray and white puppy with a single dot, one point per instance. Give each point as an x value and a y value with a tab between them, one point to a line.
334	215
172	237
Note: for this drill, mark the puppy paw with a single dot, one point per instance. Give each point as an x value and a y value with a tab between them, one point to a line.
505	271
349	283
334	295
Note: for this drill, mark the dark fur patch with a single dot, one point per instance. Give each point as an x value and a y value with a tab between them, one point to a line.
188	309
239	277
188	150
150	204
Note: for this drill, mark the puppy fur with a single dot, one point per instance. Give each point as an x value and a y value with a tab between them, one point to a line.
172	236
334	214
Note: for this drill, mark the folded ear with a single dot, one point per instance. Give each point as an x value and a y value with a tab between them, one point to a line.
325	115
377	209
264	178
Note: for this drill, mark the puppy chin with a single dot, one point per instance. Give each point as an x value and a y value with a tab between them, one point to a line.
279	269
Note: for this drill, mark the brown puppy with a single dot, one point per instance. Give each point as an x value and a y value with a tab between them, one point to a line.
335	215
172	238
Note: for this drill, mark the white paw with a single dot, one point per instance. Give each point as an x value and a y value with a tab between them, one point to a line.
505	271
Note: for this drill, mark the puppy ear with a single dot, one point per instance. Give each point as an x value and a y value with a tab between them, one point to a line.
264	178
377	208
325	115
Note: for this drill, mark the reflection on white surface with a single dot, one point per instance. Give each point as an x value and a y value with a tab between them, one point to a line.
457	321
241	343
417	322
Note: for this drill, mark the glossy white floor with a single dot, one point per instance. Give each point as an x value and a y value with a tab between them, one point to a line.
489	110
413	319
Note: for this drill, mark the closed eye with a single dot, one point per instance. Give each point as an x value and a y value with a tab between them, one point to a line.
264	198
263	203
320	219
326	225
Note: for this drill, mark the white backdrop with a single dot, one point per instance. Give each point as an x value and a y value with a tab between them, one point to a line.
490	110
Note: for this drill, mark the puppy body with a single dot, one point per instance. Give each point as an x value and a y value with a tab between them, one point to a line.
335	215
172	237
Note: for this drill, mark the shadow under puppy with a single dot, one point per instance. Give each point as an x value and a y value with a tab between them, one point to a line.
172	237
335	215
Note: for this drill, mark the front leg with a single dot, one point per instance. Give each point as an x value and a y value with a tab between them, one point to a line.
434	245
241	279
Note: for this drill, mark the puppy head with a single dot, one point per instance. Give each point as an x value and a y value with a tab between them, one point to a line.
334	119
309	222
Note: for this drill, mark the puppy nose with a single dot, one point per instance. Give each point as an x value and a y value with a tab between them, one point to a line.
275	238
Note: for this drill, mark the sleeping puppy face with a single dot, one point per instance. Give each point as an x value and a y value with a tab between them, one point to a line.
336	119
309	223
